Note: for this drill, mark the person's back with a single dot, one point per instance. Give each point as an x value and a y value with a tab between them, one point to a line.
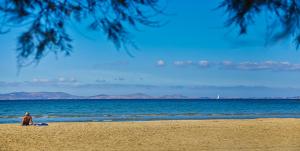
27	119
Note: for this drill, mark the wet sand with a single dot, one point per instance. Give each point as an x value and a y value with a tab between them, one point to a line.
189	135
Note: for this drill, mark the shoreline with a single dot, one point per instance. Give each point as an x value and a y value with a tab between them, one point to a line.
159	120
163	120
193	135
147	117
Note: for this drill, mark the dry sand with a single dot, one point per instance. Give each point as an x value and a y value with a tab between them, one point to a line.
196	135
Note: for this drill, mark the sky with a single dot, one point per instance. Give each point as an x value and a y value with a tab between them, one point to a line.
192	55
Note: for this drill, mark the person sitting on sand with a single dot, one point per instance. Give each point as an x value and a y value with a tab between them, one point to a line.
27	119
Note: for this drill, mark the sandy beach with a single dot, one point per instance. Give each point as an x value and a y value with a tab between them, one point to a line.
194	135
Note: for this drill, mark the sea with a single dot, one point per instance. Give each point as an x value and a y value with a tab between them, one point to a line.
11	111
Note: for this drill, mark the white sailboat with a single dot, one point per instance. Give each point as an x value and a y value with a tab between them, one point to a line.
218	97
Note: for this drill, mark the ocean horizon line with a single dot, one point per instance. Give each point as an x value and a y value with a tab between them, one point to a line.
131	96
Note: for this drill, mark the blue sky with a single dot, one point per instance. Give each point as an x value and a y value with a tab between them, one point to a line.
192	55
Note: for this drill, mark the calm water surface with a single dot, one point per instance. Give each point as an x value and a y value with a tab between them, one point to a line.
11	111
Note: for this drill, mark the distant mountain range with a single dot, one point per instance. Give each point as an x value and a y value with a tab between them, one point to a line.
37	95
62	95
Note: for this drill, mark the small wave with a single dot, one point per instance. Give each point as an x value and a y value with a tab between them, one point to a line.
10	116
107	120
150	115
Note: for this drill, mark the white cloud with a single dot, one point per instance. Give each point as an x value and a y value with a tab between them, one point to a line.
183	63
60	80
66	80
160	63
267	65
203	63
187	63
230	65
40	80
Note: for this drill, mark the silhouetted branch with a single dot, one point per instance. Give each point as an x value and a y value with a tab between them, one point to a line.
286	13
45	21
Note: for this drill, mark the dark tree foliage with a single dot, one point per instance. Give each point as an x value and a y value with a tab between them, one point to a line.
284	14
45	22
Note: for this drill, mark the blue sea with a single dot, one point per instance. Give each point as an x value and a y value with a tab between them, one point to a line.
11	111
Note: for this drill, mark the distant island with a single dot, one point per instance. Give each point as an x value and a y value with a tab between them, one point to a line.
62	95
